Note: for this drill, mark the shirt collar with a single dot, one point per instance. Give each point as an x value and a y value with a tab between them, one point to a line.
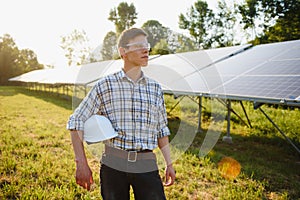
122	75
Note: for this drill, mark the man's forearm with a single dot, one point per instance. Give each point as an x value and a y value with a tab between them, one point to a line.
163	144
170	174
78	147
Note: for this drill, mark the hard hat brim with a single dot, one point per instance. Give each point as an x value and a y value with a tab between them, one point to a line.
98	128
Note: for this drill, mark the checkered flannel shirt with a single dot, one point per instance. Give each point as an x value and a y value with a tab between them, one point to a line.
136	110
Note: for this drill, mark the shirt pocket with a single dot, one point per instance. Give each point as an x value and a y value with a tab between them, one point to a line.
150	118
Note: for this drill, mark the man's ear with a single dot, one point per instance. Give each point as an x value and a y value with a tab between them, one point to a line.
122	52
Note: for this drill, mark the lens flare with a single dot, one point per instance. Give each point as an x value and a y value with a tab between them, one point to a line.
229	168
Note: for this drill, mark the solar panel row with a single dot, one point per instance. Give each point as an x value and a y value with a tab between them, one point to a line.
266	73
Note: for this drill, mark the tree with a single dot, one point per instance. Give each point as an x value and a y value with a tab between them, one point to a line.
109	48
123	16
250	15
278	19
184	44
28	60
76	46
156	31
179	43
8	56
287	26
14	62
165	41
224	31
197	21
161	48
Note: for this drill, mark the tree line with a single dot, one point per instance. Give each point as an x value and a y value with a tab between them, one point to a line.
258	21
15	61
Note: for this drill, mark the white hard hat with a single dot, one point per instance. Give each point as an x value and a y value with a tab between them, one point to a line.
98	128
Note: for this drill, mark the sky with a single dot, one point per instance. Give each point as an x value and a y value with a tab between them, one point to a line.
38	25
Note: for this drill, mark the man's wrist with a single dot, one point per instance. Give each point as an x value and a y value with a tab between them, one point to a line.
80	160
170	165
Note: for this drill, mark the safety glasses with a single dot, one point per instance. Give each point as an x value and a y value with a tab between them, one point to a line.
138	46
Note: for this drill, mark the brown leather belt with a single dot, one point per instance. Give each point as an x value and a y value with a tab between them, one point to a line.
130	156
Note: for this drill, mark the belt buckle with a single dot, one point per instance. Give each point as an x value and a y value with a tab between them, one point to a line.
132	155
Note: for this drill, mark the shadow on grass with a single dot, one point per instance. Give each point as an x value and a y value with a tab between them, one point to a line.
271	160
7	91
51	97
268	159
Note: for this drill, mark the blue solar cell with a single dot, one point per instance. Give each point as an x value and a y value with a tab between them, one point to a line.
282	67
269	71
280	87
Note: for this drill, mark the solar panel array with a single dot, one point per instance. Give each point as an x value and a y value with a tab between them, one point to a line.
268	73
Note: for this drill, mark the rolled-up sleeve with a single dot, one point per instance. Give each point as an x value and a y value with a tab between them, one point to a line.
163	120
88	107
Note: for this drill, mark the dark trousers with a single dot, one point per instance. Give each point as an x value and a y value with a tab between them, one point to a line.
115	183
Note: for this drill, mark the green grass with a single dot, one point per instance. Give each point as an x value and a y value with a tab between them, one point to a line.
37	161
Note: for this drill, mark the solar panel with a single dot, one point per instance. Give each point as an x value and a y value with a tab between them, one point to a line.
290	54
181	73
65	75
190	62
90	73
280	87
280	67
32	77
273	74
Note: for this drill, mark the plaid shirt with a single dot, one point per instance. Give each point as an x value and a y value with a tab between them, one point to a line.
136	110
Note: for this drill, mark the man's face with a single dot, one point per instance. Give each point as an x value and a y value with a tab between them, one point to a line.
137	51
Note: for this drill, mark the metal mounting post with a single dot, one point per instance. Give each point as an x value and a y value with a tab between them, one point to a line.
228	138
199	130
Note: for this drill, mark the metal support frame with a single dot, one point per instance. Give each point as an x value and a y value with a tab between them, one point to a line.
228	138
200	106
280	131
199	129
249	122
176	104
225	104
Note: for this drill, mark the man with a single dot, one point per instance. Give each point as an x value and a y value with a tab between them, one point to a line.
135	106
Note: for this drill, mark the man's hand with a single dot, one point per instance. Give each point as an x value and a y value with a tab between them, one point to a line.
84	176
170	175
163	144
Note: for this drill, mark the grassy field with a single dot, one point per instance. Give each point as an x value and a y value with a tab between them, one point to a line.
37	161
